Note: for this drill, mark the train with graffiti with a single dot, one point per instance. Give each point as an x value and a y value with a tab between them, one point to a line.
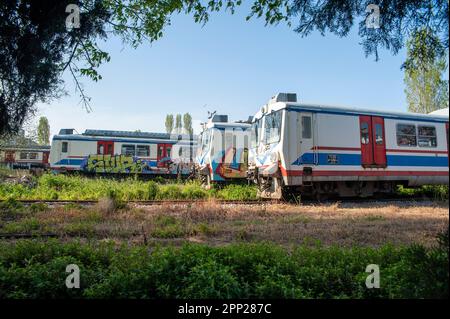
299	148
222	153
123	152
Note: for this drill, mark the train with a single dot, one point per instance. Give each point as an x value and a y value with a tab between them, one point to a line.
222	153
318	150
123	152
29	156
287	149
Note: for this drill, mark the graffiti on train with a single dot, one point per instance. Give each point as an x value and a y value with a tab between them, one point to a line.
115	164
234	163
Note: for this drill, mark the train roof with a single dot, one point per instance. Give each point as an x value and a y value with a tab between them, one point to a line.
130	134
225	125
123	136
25	147
320	108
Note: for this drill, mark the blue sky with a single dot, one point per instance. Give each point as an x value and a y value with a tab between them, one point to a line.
229	65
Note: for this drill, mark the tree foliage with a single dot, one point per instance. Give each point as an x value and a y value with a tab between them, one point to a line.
36	48
178	124
425	90
398	21
169	123
187	123
43	131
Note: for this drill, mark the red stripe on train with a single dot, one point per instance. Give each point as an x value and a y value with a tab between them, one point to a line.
285	172
358	149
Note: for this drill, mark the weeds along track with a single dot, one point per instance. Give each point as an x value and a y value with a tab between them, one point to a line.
151	202
400	199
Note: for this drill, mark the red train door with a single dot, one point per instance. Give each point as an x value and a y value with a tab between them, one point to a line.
9	157
373	144
105	148
379	142
446	131
45	157
164	154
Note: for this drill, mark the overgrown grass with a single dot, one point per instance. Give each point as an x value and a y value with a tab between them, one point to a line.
33	269
436	192
63	187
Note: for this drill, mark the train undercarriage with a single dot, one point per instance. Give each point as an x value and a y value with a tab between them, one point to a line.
274	188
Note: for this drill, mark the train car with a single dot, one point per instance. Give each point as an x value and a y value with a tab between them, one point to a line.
222	154
122	152
25	156
321	150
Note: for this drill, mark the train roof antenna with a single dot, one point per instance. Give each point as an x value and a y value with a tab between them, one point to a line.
211	114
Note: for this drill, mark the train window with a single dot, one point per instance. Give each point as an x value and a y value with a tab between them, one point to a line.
143	150
168	151
64	147
272	127
205	139
427	136
101	149
255	133
365	137
306	127
406	135
379	134
128	150
23	155
32	156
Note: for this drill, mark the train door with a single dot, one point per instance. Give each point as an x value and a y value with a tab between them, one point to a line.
105	148
373	143
9	156
306	137
164	154
45	157
446	131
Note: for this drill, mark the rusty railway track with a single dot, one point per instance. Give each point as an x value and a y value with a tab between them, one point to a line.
236	202
150	202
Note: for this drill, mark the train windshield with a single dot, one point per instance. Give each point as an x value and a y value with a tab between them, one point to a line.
255	130
205	140
272	127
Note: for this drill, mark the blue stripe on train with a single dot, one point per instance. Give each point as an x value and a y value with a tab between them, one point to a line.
69	161
355	159
78	162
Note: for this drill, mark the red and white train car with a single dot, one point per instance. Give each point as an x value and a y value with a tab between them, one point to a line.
26	157
304	148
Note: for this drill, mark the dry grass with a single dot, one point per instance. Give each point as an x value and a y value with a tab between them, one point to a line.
217	224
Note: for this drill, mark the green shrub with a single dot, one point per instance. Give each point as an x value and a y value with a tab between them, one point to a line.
38	207
167	227
36	269
194	191
238	192
152	190
28	225
436	192
11	204
173	192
